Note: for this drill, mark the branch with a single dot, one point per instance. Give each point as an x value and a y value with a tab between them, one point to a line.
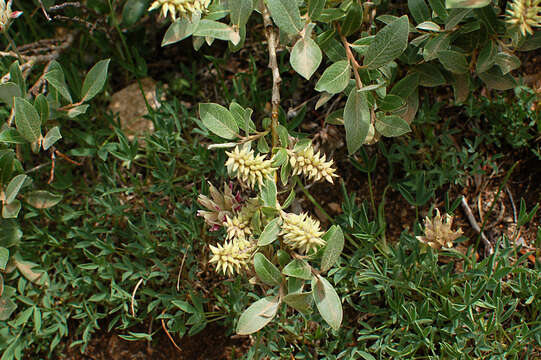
272	43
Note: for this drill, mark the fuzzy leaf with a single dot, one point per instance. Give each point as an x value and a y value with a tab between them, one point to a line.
389	43
334	247
9	91
258	315
335	78
327	301
180	29
95	80
266	271
298	268
41	199
218	120
305	57
52	137
356	120
270	233
217	30
392	125
302	302
286	15
27	120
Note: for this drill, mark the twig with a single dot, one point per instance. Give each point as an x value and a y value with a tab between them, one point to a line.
512	203
51	176
181	266
488	245
168	334
132	307
354	64
44	11
272	43
65	157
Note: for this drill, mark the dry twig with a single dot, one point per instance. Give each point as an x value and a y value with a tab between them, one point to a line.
471	218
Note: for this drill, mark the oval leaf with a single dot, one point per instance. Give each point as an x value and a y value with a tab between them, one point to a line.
14	187
334	247
217	30
52	136
305	57
335	78
270	233
55	78
41	199
327	302
266	271
286	15
301	302
27	120
218	120
392	125
257	315
389	43
298	268
356	120
95	80
8	91
179	30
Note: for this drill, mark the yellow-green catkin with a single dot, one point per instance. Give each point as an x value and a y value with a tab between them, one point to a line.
525	14
311	164
230	257
180	8
301	232
249	168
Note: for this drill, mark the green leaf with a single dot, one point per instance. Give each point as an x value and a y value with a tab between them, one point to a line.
434	45
419	10
486	57
334	247
302	302
133	10
430	75
298	268
180	29
335	78
77	110
11	210
41	199
27	120
428	26
353	20
453	61
9	91
406	86
16	76
391	125
52	137
494	79
389	43
455	17
42	107
270	233
55	78
217	30
305	57
14	186
240	11
95	80
327	301
4	257
7	307
268	193
391	103
356	120
266	271
10	234
461	87
507	62
466	4
315	7
243	117
279	158
257	315
218	120
286	15
11	136
26	269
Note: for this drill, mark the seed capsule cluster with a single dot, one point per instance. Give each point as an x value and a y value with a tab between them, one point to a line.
249	169
438	231
525	14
